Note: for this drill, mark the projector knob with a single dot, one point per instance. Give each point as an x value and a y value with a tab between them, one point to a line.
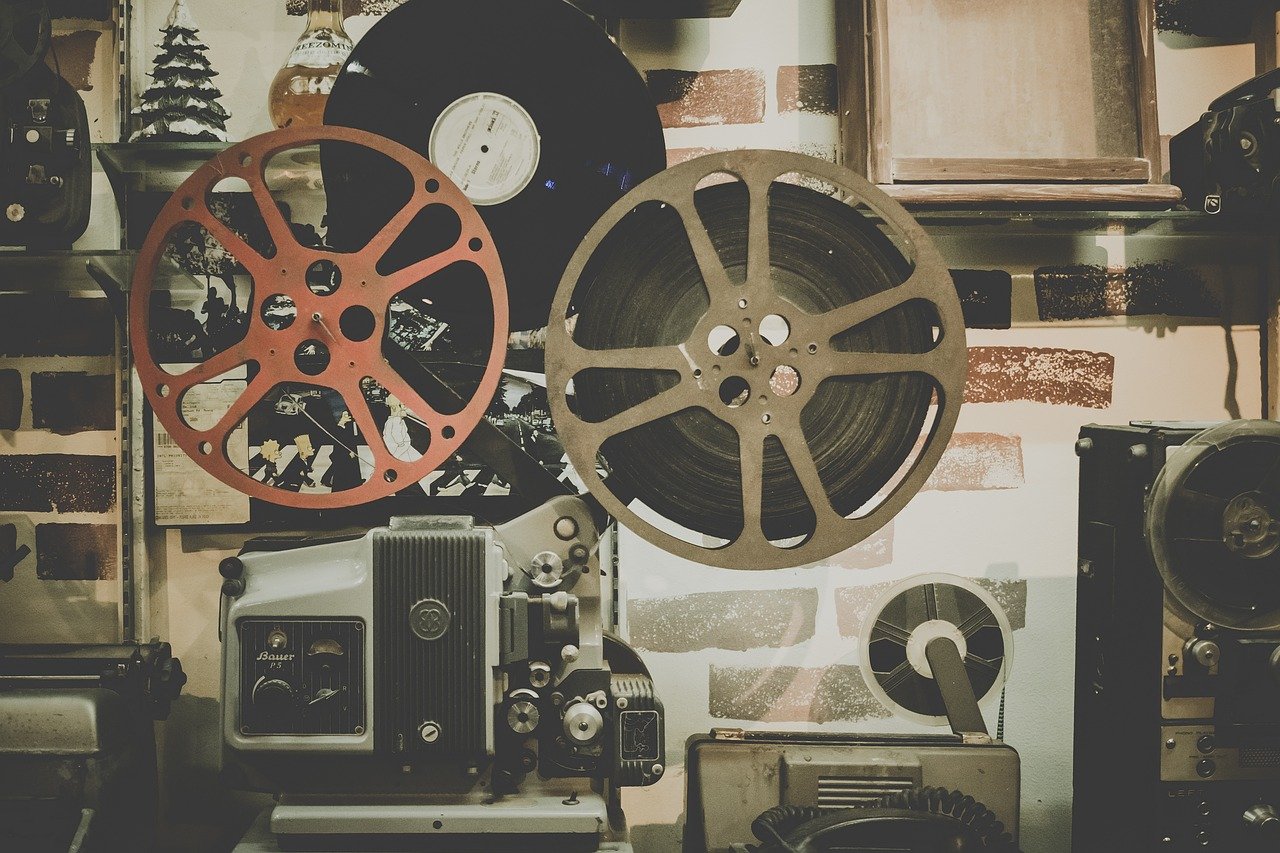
275	698
1206	653
1264	821
582	724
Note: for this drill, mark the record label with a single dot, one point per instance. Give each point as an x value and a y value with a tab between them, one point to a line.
488	145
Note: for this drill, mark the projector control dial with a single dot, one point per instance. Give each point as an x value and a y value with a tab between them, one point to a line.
275	697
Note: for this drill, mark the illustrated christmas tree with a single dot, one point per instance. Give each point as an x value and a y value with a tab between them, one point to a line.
181	103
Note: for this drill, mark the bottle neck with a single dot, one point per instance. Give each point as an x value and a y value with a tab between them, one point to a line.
326	14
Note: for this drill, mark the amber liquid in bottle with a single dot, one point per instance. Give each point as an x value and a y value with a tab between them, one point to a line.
301	88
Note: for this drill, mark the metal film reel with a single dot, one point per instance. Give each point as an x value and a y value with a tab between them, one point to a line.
891	647
768	444
1213	525
355	350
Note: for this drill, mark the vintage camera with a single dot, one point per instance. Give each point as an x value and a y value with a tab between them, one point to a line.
1229	160
435	680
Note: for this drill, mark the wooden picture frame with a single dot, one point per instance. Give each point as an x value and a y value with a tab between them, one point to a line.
1130	177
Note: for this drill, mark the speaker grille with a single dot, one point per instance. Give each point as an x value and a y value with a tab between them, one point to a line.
436	673
1259	756
847	792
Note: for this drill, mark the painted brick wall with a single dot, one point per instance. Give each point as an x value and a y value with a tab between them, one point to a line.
59	513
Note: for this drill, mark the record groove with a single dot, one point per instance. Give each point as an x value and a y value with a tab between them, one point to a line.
526	104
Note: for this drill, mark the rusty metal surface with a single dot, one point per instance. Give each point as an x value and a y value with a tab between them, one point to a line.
271	350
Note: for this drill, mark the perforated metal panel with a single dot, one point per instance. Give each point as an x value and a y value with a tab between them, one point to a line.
429	643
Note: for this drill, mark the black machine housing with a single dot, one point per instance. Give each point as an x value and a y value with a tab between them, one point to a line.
1177	724
1229	161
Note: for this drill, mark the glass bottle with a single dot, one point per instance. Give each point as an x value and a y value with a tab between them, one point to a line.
301	88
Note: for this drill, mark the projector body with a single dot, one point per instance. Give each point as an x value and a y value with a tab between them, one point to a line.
433	681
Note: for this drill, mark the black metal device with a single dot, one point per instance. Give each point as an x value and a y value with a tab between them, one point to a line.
1177	728
77	745
932	647
1229	161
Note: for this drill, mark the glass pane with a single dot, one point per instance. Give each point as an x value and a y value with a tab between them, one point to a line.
1012	79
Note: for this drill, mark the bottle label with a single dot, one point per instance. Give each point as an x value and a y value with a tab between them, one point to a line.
320	50
488	145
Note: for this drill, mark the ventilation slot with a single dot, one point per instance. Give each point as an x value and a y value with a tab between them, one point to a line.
848	792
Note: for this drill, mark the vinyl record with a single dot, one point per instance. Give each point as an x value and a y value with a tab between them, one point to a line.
526	104
1213	525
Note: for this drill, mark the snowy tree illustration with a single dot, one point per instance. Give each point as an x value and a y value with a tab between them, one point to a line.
181	103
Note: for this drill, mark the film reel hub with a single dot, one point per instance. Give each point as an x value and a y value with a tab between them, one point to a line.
316	317
771	386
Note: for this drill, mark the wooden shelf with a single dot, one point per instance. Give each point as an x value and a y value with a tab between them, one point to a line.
660	9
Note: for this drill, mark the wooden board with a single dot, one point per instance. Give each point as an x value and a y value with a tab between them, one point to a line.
1097	196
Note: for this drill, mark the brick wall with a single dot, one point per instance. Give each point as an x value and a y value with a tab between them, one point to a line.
58	470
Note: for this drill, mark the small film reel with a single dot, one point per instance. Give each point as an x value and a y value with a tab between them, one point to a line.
907	617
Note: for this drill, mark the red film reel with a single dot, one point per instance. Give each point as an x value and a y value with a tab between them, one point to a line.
270	351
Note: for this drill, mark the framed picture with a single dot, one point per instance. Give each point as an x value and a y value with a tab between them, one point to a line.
955	101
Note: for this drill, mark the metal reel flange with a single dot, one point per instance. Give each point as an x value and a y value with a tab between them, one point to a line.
700	370
911	613
270	351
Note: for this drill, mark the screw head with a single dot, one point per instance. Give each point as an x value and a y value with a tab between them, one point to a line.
429	732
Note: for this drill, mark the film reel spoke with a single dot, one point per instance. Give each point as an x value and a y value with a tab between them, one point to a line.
758	251
802	462
212	368
398	281
898	676
981	664
930	363
277	226
846	317
253	393
399	221
358	405
247	256
669	358
660	406
714	276
751	465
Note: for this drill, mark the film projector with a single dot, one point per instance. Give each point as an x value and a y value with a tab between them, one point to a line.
754	360
1178	642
